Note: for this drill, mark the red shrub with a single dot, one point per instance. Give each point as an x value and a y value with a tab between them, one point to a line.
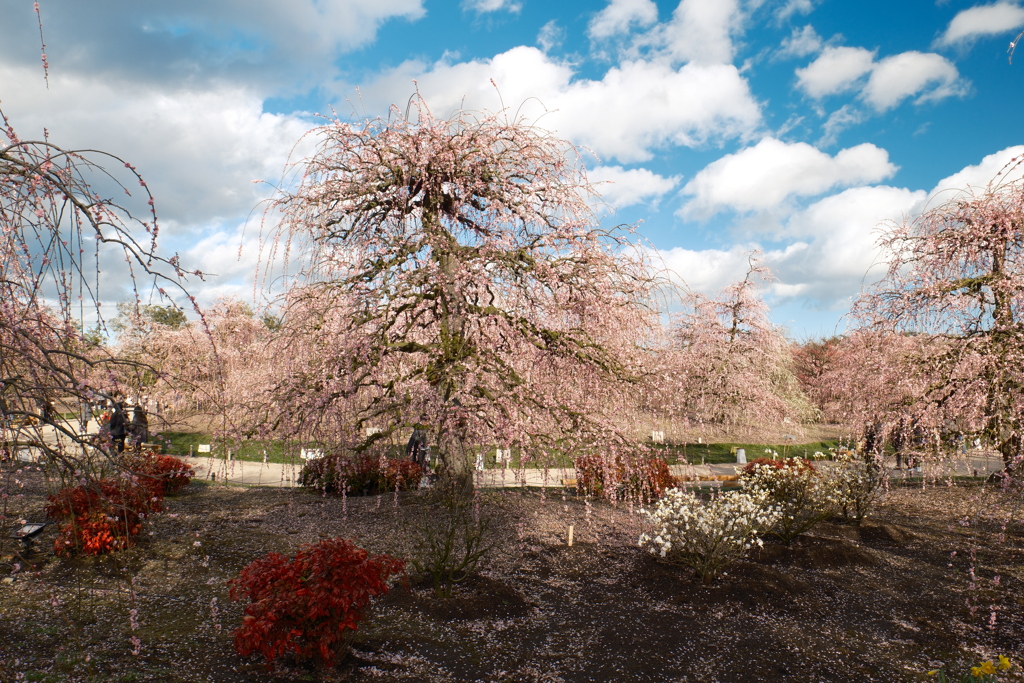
360	475
306	604
162	474
636	476
101	516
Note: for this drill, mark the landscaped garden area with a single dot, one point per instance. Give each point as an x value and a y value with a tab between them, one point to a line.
930	576
707	499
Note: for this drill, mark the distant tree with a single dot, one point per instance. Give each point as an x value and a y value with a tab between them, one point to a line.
869	381
727	364
956	280
216	365
457	273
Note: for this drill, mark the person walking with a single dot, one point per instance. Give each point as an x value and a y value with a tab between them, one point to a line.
139	427
416	449
118	427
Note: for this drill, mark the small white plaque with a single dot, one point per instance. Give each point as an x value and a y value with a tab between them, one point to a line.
311	453
203	448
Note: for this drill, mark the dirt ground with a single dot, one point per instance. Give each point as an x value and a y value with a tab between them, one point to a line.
883	602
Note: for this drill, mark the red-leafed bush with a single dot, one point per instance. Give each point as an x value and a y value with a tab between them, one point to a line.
630	476
308	605
101	516
360	475
162	474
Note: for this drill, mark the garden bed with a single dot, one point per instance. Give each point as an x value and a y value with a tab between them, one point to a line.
882	602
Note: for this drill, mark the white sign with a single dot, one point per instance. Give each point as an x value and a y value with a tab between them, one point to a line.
203	448
311	453
370	431
658	437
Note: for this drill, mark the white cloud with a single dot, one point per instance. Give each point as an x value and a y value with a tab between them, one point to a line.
620	187
794	7
837	252
701	31
907	74
995	169
198	150
634	109
621	15
255	43
706	270
762	177
484	6
837	69
837	122
801	42
982	20
550	36
928	76
831	250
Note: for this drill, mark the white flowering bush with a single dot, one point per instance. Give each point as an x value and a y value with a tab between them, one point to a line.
802	495
707	534
858	483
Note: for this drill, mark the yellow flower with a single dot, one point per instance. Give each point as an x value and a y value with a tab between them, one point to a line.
1004	663
976	671
933	672
988	668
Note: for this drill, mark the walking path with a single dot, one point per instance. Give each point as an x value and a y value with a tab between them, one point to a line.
977	463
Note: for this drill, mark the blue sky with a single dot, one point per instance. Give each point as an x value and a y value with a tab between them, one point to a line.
791	126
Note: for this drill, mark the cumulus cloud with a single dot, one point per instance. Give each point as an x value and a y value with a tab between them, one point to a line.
198	150
183	43
485	6
994	169
764	176
632	110
837	69
700	31
706	270
831	249
837	252
801	42
924	75
980	21
928	76
619	16
620	187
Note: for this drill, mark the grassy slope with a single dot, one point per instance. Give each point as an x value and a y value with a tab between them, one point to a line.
178	443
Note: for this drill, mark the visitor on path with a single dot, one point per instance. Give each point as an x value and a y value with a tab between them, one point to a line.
46	411
139	427
84	413
416	449
118	427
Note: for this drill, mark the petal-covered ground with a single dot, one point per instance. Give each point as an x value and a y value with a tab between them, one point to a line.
933	578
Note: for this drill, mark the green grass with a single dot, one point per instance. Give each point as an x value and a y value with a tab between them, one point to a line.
714	453
183	443
178	443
